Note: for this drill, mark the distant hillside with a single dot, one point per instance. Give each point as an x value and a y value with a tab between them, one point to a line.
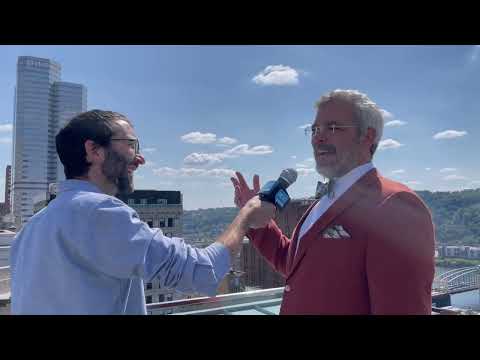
456	216
207	224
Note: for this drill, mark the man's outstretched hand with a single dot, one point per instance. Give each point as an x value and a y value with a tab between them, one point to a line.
243	193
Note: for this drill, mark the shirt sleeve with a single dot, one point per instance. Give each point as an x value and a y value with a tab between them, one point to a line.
123	246
272	245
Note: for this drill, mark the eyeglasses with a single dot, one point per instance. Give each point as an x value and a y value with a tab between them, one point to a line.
330	129
133	143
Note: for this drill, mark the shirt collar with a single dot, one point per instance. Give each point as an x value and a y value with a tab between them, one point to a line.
346	181
78	185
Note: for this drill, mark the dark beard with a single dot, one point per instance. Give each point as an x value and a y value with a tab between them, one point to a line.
115	168
124	185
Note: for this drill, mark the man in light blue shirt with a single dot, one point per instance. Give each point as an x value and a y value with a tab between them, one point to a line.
89	253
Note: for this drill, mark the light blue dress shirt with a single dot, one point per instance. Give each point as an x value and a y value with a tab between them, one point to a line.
89	253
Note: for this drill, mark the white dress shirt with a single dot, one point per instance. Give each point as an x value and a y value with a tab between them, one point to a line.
340	186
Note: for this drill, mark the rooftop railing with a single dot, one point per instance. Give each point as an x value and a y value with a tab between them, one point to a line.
256	302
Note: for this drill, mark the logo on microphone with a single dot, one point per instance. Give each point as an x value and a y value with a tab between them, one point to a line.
275	191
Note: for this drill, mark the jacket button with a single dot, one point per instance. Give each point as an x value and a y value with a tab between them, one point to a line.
287	288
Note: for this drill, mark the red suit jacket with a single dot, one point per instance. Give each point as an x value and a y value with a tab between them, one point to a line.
381	262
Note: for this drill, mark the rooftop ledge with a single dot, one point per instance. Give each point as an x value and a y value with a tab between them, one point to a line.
257	302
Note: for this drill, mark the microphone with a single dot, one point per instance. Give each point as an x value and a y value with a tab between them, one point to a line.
275	191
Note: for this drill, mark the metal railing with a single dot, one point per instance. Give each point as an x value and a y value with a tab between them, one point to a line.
456	280
154	206
4	282
218	304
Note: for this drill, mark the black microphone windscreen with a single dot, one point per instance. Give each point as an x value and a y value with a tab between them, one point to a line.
289	175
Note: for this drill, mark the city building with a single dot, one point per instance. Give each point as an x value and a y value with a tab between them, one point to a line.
232	283
3	209
288	218
5	294
5	206
164	210
465	252
69	99
6	239
4	256
42	104
257	272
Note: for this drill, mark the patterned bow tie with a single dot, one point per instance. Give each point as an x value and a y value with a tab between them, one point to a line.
325	188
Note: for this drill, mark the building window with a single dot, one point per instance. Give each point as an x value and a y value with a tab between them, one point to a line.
149	286
148	299
150	223
161	298
144	202
162	222
131	201
162	201
170	222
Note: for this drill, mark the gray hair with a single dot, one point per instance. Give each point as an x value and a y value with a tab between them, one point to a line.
367	113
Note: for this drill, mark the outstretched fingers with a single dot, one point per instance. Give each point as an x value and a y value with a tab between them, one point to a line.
256	183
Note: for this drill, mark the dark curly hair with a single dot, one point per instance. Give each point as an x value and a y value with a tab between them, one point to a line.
95	125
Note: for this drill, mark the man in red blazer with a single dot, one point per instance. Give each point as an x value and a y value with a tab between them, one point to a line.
367	247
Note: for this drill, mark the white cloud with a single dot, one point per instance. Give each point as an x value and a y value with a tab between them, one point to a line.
293	157
386	114
161	185
475	182
149	150
389	119
220	172
277	75
449	134
395	123
6	140
303	127
305	171
428	169
199	138
197	158
165	171
389	144
244	149
444	170
149	163
215	158
454	177
192	172
399	171
307	163
6	128
227	140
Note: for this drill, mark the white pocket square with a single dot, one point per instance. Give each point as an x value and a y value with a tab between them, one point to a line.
335	232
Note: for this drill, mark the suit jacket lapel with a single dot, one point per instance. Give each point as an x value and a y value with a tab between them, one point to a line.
344	202
296	231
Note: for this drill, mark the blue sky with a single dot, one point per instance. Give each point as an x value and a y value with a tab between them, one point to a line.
202	111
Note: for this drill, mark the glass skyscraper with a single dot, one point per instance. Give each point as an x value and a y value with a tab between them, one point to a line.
43	103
